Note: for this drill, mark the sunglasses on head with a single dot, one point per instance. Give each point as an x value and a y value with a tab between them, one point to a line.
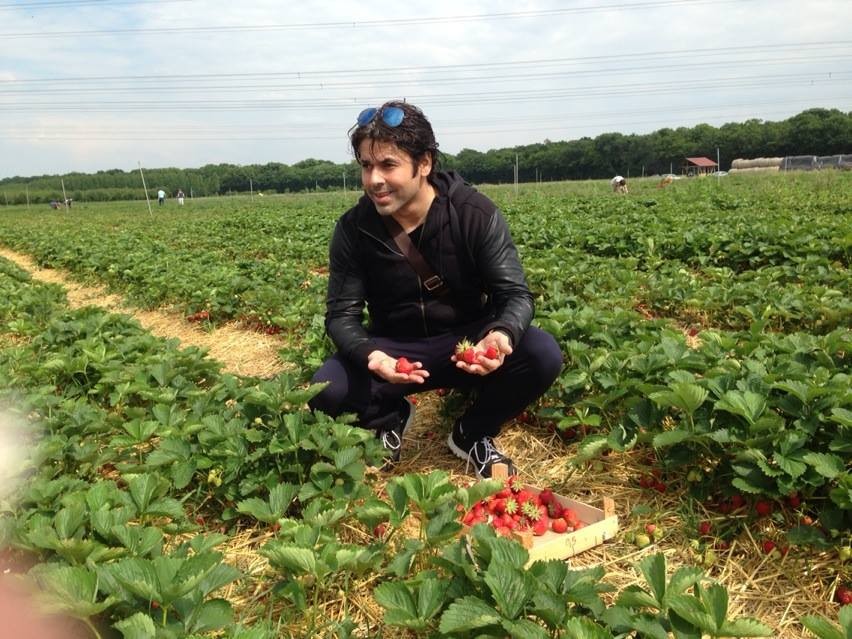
391	115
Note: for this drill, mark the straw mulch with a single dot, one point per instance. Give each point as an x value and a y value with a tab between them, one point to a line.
778	592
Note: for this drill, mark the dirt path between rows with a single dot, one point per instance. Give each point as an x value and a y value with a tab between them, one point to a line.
240	351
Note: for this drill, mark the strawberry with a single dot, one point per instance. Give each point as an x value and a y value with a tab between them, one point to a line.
558	525
546	496
380	530
554	509
541	525
768	546
704	528
404	366
737	501
466	352
570	516
650	528
763	507
491	352
511	507
794	500
843	595
577	525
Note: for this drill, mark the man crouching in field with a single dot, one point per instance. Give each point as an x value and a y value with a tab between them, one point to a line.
619	185
434	264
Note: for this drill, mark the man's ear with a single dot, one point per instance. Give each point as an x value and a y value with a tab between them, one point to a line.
425	165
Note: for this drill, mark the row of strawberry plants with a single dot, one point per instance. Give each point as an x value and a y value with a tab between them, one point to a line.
755	412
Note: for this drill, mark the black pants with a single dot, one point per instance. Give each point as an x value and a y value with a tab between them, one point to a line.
524	377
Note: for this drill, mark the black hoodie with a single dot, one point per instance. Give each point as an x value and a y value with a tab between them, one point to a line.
464	238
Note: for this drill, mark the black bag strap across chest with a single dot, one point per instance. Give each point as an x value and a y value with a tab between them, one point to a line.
432	282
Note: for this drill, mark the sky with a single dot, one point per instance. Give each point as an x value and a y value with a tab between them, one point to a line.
89	85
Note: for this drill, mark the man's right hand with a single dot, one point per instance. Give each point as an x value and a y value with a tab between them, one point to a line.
384	366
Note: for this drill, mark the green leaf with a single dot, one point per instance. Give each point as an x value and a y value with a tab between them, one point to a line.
69	590
468	613
291	558
139	577
822	627
745	627
635	597
524	629
397	597
670	438
715	598
280	498
789	464
212	615
684	396
683	578
430	597
138	626
507	588
142	489
747	404
693	611
591	447
825	464
653	568
842	416
585	628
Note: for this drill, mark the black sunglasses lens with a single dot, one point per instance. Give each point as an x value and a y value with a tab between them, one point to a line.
366	116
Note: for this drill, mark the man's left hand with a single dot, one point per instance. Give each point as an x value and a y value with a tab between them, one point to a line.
496	343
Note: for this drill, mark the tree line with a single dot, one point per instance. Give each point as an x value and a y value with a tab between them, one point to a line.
812	132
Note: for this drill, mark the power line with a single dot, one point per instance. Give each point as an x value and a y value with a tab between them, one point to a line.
441	69
186	86
59	4
508	96
354	24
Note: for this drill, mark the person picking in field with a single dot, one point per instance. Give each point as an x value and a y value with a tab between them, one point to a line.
448	304
619	185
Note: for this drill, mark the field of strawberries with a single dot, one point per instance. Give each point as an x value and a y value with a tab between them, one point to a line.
706	335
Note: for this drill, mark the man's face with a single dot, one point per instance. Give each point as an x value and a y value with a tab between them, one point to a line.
390	178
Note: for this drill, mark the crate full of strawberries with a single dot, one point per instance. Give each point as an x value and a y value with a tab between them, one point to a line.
549	525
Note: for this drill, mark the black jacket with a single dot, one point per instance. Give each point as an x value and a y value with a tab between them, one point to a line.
464	238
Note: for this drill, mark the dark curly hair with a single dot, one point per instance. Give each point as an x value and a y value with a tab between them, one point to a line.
414	134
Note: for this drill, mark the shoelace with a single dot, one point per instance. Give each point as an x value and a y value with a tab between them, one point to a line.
490	454
391	440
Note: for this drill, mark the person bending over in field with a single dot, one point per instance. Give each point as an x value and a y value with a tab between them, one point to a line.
469	286
619	185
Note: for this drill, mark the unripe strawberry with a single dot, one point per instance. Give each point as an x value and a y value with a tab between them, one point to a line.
709	558
642	540
844	553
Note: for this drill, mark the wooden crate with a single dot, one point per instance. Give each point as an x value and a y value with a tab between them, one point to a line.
601	524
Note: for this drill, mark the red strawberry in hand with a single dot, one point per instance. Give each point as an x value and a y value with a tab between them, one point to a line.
404	366
466	352
491	352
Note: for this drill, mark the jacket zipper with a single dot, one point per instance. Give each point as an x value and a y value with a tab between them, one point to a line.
423	308
396	250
